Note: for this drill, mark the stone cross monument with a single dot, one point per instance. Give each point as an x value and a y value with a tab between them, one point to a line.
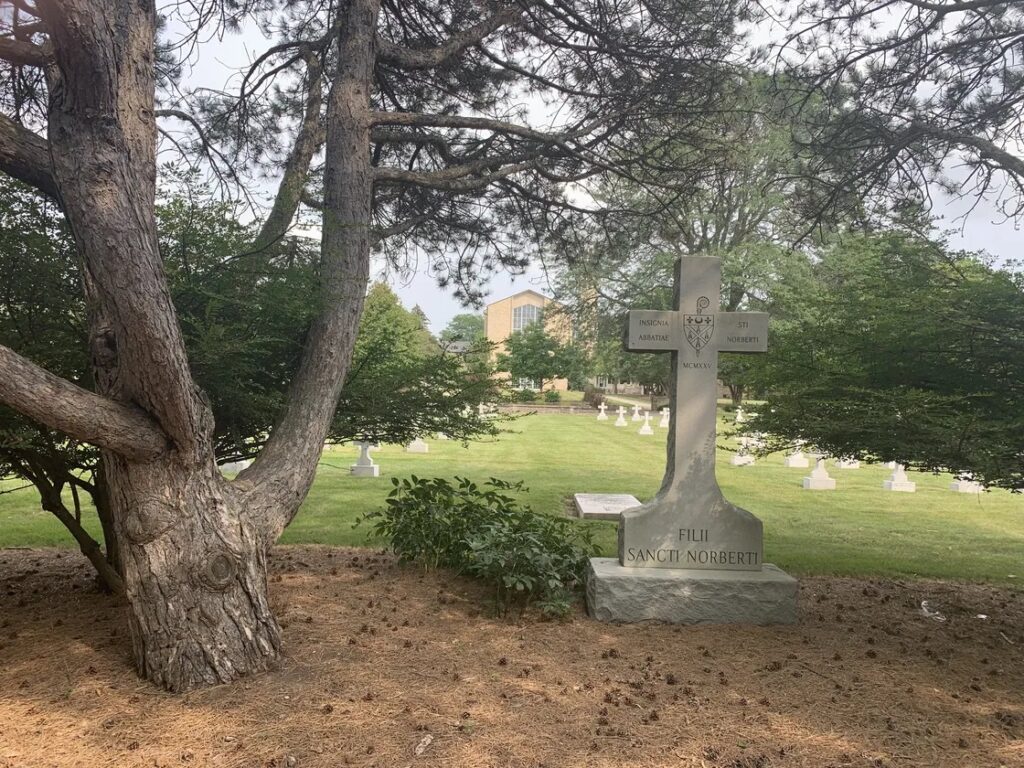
696	556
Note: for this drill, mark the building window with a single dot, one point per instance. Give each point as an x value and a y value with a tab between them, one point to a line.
524	316
524	383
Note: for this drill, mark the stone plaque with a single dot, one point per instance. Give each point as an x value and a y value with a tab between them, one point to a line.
603	506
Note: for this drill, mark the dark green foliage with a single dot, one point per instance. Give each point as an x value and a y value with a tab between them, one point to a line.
903	351
524	396
527	557
552	396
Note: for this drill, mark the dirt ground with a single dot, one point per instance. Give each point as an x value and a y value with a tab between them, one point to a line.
389	666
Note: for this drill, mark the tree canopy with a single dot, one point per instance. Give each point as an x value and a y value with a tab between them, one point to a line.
902	350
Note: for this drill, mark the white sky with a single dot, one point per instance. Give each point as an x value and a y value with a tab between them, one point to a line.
984	229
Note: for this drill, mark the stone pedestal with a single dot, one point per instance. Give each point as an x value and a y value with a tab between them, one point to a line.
847	464
966	486
819	479
684	596
899	482
364	466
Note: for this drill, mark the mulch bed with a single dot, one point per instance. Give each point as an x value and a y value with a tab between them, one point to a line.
390	666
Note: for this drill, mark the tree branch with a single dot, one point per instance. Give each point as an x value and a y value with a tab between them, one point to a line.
397	55
77	412
308	141
23	53
462	121
26	156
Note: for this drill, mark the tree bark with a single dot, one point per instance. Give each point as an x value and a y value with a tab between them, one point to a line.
193	555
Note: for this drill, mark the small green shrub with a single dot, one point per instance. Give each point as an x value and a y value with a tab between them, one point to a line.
524	396
527	557
552	396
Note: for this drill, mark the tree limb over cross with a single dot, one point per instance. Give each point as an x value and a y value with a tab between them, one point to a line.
406	115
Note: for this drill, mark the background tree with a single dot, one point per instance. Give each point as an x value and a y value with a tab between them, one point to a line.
402	385
464	327
534	355
739	209
903	351
415	109
243	320
909	96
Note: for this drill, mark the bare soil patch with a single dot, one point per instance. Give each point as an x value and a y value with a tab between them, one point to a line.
390	666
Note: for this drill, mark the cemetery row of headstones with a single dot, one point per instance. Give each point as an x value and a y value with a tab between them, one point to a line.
818	479
365	465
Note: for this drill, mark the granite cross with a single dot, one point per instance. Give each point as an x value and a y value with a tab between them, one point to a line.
690	524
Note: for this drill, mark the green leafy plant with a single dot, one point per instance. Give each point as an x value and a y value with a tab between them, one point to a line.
480	530
524	396
552	396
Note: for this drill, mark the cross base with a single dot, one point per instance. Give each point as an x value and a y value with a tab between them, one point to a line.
686	529
687	596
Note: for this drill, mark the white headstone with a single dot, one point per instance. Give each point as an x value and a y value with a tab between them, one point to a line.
688	555
417	446
666	415
481	410
898	481
636	413
602	416
621	421
646	428
796	459
364	466
234	467
739	414
966	485
742	458
847	464
819	479
442	436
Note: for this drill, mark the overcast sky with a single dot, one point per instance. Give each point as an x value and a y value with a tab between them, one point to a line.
982	230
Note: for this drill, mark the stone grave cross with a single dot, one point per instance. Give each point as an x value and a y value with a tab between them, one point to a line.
689	524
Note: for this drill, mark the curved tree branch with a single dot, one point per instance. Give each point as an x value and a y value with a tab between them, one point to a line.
77	412
26	156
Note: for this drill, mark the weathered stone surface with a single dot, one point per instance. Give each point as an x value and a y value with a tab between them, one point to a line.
686	596
898	481
797	459
603	506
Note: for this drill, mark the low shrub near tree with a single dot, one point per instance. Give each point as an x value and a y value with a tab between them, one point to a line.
524	396
552	396
484	532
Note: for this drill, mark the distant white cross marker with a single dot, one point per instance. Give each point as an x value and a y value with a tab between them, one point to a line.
621	421
602	416
689	524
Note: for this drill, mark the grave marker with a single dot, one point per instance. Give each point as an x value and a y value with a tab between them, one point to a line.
689	555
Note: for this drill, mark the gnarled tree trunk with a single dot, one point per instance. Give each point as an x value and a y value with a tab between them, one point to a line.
193	546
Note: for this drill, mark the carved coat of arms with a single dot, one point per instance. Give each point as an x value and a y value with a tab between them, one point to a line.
699	328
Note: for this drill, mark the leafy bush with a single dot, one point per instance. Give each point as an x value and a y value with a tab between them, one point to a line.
552	396
524	396
527	557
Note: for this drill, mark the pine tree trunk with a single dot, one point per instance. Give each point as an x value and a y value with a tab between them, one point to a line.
195	574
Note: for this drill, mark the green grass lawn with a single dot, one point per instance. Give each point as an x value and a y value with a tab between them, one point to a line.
858	529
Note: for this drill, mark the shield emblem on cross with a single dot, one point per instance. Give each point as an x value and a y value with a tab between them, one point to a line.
699	328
